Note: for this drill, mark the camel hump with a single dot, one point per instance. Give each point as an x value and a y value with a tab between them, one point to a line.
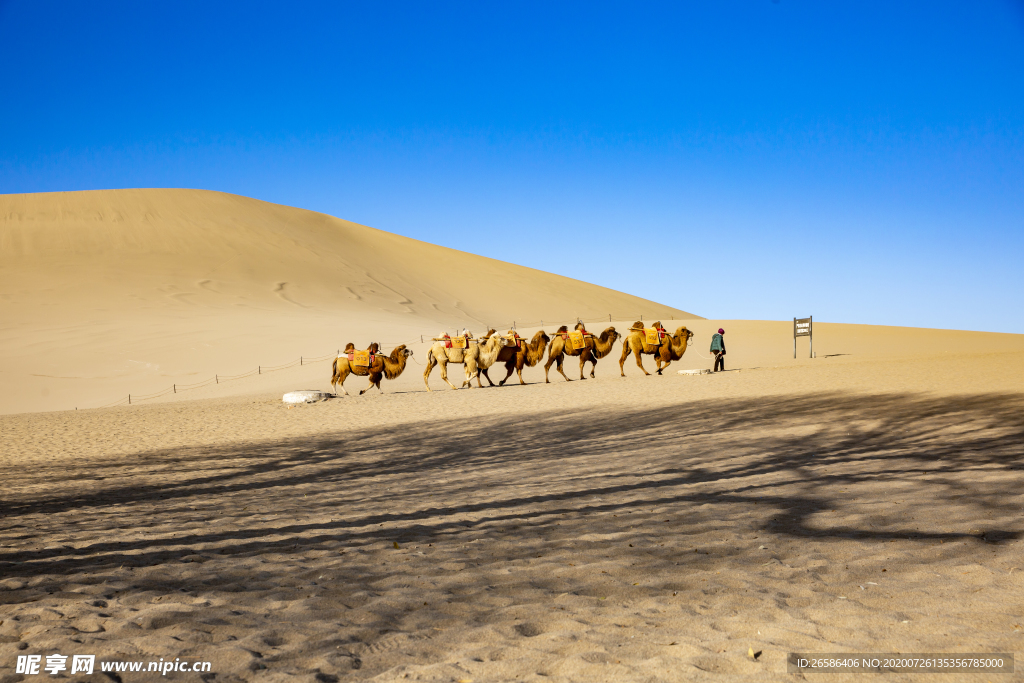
657	325
350	347
638	325
563	328
374	347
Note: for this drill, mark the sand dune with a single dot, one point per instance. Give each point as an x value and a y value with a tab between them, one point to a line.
108	292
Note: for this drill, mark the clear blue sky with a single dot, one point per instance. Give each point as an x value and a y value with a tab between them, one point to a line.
858	161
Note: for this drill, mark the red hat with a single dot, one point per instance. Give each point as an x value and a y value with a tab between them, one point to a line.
721	331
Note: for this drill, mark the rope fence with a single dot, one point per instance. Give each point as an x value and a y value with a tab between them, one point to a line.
133	399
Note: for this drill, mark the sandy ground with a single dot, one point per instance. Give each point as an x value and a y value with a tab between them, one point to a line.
638	528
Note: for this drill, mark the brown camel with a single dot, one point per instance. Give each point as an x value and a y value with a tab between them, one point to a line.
479	355
516	356
593	349
382	366
671	348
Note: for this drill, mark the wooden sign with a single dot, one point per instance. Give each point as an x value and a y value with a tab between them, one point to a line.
803	327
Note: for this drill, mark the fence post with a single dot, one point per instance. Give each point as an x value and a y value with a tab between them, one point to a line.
609	317
421	339
175	388
129	399
300	360
259	370
216	379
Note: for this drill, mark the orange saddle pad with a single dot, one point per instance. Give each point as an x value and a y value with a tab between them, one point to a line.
360	359
653	336
577	340
460	342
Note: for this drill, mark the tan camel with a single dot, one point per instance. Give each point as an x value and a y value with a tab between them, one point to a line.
479	355
382	366
593	349
516	357
671	348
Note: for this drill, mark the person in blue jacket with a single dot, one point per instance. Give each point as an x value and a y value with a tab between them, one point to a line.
718	348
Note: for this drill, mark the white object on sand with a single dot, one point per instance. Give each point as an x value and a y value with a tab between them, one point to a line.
305	396
695	372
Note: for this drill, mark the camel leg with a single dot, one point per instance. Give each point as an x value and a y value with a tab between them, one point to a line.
519	371
593	364
341	382
431	362
488	378
369	386
625	355
583	361
546	366
508	367
444	374
639	364
472	370
663	362
559	367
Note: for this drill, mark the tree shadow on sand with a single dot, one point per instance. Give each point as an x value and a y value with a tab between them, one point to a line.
795	458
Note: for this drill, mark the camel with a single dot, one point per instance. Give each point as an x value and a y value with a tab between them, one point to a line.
527	354
381	367
479	355
672	347
595	348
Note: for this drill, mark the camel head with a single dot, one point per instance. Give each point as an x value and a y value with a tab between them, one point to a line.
684	333
400	351
541	335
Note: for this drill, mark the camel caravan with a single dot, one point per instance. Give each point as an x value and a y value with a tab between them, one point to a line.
478	354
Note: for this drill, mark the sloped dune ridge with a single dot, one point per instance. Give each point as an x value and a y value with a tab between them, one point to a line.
105	292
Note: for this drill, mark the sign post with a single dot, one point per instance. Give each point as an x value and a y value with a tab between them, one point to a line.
803	327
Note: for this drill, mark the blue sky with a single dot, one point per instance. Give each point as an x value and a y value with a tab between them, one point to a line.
859	161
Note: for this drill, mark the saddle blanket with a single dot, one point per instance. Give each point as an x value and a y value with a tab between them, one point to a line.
577	340
360	359
515	339
654	335
459	342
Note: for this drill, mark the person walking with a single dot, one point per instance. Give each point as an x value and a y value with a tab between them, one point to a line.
718	348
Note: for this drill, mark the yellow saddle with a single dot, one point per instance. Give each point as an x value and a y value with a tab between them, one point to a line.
653	335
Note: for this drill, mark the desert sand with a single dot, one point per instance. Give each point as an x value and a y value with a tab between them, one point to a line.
645	528
113	292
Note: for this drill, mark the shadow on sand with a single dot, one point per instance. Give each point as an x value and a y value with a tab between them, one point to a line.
794	458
